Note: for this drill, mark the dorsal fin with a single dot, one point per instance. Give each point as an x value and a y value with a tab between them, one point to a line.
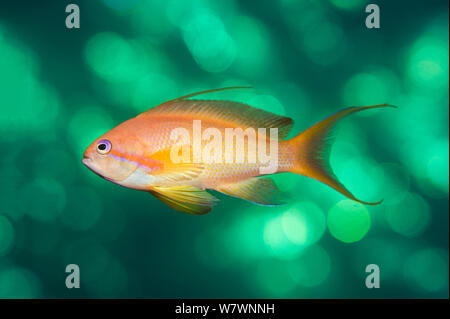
239	114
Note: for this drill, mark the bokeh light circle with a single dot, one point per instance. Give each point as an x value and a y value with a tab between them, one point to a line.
348	221
410	217
427	269
19	283
428	63
115	59
377	85
277	240
208	41
304	223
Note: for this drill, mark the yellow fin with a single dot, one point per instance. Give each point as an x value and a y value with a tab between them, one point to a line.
262	191
175	171
313	150
186	199
238	114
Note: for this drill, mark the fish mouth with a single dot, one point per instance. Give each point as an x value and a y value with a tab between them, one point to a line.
86	160
88	163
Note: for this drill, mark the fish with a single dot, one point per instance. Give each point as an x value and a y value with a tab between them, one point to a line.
141	153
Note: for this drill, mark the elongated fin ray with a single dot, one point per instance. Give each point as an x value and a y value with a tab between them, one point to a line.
208	91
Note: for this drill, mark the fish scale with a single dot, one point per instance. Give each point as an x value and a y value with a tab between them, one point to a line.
157	138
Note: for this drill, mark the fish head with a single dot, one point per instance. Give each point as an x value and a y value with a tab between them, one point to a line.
108	157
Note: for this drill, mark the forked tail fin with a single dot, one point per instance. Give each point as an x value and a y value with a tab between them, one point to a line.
313	151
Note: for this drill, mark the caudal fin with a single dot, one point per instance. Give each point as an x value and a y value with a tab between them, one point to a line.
313	151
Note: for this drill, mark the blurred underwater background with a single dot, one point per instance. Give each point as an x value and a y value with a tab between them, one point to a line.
62	88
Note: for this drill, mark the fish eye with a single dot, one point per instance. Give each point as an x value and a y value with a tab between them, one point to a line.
104	147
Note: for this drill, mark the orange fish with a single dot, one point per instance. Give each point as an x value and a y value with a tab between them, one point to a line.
143	154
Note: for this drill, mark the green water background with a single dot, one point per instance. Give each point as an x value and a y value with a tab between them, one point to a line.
61	88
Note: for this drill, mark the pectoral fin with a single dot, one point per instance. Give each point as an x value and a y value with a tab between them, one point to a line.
174	172
186	199
262	191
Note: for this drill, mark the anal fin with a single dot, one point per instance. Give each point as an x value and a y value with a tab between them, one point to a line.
262	191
